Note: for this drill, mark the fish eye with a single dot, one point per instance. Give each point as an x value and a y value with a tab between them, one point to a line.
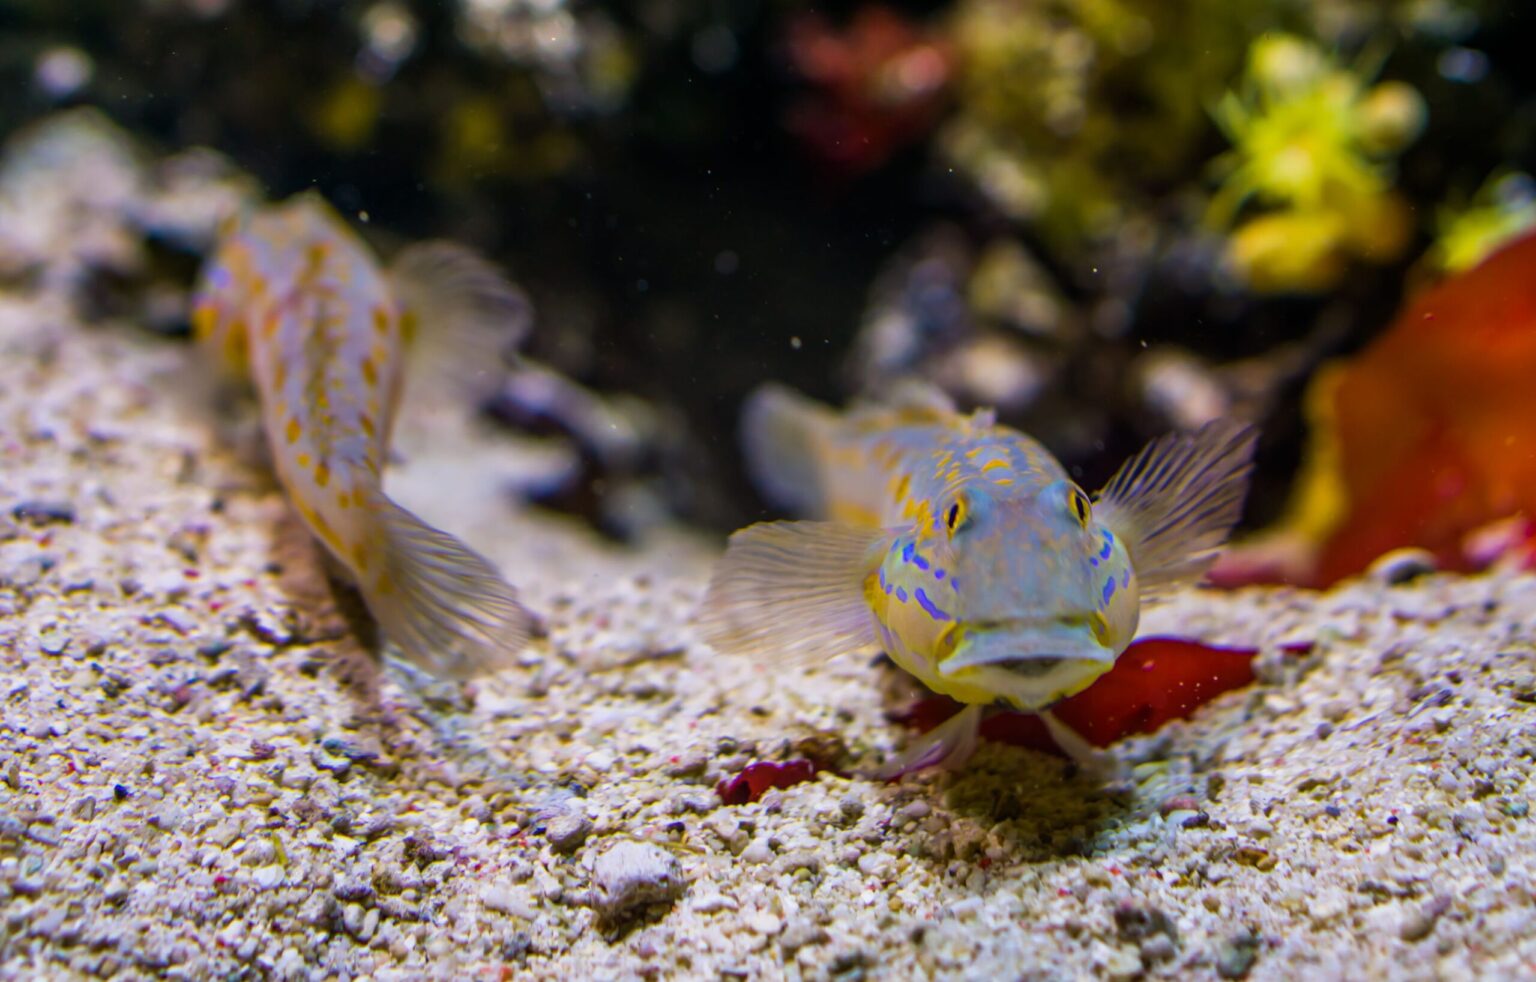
1080	506
956	516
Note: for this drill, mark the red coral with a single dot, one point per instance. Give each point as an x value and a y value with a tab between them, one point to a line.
755	780
1154	681
1433	427
1436	420
878	85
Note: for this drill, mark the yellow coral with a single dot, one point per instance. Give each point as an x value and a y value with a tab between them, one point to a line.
1504	207
1312	149
1074	115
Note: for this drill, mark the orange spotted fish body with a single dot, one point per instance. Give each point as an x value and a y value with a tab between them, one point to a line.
295	299
963	549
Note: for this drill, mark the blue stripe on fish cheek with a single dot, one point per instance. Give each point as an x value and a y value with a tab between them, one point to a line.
928	605
906	552
919	561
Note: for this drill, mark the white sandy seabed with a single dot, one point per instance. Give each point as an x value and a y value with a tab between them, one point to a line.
201	775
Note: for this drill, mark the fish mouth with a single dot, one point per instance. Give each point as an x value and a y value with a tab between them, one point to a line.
1028	663
1027	647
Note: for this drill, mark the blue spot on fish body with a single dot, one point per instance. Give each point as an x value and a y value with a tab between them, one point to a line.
1104	553
939	574
906	552
1109	589
1125	578
901	594
919	561
928	605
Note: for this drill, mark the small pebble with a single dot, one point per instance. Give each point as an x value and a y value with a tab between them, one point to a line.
1236	955
632	876
757	851
1179	803
352	919
44	512
267	877
714	903
567	832
1420	923
802	934
1401	566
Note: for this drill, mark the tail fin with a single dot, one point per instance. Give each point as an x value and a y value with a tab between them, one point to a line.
445	606
782	433
1175	501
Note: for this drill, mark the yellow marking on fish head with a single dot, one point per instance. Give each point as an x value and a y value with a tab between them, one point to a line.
381	320
205	318
294	430
370	372
303	460
323	474
873	595
924	516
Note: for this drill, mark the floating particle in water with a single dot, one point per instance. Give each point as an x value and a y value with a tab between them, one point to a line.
63	71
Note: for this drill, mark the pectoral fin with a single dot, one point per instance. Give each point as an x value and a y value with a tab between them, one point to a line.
793	589
1174	503
949	746
459	312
